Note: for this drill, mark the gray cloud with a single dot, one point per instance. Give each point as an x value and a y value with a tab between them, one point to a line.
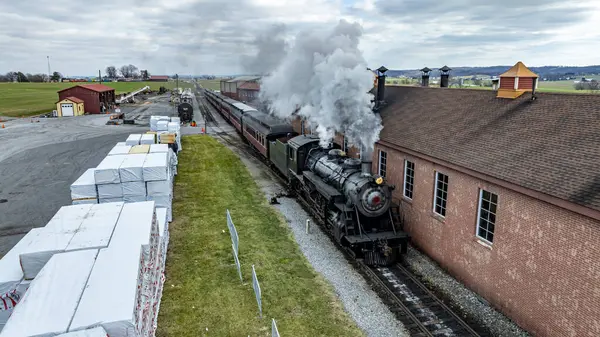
271	48
221	36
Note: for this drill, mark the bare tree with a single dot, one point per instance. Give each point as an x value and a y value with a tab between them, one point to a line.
111	72
145	75
129	71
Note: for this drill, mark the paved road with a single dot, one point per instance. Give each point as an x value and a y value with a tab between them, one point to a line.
35	183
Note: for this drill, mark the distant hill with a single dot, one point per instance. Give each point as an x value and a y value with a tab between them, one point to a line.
546	71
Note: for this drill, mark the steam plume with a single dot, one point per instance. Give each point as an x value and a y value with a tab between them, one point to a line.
272	48
325	75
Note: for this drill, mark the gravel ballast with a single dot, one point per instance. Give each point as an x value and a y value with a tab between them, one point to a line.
468	302
359	300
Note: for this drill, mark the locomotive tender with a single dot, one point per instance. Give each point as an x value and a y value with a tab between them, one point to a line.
352	204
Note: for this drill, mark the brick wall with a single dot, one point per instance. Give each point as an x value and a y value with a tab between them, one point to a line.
543	268
338	139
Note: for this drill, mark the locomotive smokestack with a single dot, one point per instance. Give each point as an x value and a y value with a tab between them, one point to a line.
366	160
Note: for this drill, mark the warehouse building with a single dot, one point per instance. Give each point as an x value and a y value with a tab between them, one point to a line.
502	189
158	78
247	85
97	98
70	106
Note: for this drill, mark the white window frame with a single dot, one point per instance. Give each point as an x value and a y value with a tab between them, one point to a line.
379	163
406	161
479	216
435	193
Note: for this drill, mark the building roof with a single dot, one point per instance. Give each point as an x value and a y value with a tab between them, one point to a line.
548	145
244	79
73	99
159	77
250	86
93	87
519	70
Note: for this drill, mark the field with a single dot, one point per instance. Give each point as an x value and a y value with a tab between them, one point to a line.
203	295
210	84
28	99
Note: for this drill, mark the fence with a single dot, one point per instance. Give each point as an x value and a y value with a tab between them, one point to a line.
255	284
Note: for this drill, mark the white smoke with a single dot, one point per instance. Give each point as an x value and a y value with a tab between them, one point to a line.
325	75
272	48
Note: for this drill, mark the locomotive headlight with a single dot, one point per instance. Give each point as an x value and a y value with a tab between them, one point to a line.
379	180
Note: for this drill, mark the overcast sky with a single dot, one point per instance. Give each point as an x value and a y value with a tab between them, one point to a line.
216	36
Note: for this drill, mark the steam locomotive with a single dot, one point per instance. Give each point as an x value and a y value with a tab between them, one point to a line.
352	204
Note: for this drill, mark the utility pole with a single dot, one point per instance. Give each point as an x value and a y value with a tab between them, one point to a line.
99	77
48	57
177	79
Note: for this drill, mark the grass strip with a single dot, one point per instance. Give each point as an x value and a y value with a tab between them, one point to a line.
203	295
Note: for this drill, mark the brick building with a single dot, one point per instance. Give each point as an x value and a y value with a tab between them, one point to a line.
502	189
247	85
95	96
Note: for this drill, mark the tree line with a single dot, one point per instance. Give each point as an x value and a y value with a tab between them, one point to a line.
127	71
17	76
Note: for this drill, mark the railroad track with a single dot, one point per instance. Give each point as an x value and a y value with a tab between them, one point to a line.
421	312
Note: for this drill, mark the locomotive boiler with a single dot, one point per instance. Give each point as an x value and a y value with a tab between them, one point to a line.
353	203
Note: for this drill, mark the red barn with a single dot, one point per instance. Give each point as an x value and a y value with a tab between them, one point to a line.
95	96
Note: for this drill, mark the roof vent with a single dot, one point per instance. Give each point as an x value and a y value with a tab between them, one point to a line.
517	81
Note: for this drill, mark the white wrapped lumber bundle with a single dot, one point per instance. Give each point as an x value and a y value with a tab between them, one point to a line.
176	120
154	121
85	201
148	139
121	288
137	225
11	274
134	198
163	201
110	191
97	228
119	149
131	168
133	139
49	304
163	228
162	125
159	148
121	144
52	239
84	188
112	298
94	332
107	172
104	201
160	187
134	188
156	167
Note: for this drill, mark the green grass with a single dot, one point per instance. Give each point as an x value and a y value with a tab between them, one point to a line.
211	84
202	289
28	99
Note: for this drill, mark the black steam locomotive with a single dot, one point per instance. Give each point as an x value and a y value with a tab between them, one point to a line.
355	206
185	111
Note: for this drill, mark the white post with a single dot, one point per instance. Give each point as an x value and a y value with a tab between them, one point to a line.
307	226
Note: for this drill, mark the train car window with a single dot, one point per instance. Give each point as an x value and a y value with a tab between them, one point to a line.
291	152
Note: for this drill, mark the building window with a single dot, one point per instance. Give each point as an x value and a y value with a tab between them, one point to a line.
409	178
345	144
486	216
302	127
441	194
382	163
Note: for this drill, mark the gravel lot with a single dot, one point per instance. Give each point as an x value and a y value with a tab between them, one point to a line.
362	303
